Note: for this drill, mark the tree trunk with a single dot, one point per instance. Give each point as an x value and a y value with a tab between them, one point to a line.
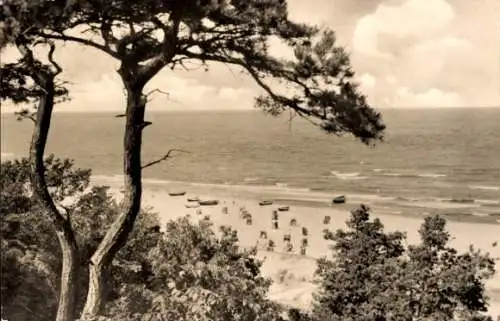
117	235
62	225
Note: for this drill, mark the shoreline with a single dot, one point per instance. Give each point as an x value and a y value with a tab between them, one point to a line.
456	211
481	204
293	273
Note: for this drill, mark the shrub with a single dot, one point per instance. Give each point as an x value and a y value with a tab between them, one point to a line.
373	276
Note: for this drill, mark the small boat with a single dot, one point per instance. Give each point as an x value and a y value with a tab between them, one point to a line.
265	203
462	200
209	202
284	208
339	200
193	199
177	193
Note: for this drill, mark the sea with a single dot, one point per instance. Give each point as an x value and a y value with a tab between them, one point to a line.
445	161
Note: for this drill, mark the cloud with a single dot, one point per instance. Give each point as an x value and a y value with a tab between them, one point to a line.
445	45
234	93
441	51
168	91
431	98
96	86
401	22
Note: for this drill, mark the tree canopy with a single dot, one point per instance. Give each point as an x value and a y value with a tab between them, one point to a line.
373	275
146	36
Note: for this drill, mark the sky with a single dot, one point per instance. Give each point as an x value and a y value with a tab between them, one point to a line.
406	54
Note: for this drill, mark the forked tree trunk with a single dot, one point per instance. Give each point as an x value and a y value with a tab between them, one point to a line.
62	225
117	235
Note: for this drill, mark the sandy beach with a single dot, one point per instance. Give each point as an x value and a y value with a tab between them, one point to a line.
293	273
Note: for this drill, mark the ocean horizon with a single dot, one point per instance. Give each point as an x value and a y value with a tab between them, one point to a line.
432	160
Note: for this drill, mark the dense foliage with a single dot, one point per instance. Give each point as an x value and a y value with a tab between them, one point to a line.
196	274
374	276
31	263
187	272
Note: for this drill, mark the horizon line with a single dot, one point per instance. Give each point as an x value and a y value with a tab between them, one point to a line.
11	110
188	110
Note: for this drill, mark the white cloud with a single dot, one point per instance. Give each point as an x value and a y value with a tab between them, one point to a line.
448	45
444	44
411	19
229	93
431	98
106	93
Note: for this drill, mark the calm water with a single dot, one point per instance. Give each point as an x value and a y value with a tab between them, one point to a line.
429	156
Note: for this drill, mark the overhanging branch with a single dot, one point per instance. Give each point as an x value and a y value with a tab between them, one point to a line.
247	66
165	157
82	41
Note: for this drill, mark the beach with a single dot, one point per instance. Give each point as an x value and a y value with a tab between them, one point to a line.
291	272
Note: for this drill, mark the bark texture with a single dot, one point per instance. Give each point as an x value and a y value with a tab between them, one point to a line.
117	235
62	224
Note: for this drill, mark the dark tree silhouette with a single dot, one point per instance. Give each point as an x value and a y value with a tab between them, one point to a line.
25	81
374	276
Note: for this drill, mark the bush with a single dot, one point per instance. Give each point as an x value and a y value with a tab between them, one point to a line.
373	276
187	272
30	251
198	275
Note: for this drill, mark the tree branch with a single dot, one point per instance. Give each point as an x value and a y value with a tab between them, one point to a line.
25	114
82	41
107	34
30	118
167	155
168	51
145	124
156	91
247	66
67	209
52	61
